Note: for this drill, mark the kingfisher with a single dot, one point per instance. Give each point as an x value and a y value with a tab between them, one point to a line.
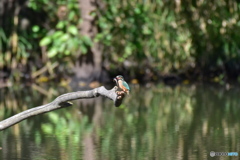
122	84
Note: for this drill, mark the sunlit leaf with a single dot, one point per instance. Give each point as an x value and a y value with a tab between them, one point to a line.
45	41
62	47
109	37
57	34
128	50
71	15
87	40
35	28
137	10
60	25
67	52
73	30
98	37
52	52
113	8
65	37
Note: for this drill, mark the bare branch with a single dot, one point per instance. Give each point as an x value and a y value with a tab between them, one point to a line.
63	101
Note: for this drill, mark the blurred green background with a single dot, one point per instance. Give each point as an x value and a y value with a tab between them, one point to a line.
194	39
80	43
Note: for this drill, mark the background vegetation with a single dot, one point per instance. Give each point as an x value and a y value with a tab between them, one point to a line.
194	39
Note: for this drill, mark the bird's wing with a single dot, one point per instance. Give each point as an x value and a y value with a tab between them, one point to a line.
126	85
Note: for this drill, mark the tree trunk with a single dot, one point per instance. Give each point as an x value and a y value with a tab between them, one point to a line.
88	66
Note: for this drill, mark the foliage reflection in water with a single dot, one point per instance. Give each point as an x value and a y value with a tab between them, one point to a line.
185	122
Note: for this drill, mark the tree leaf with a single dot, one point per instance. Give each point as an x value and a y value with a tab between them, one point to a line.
52	52
87	40
64	37
57	34
35	28
67	52
45	41
73	30
71	15
83	49
60	25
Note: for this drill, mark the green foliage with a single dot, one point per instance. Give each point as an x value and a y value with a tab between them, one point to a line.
171	35
166	35
145	30
64	39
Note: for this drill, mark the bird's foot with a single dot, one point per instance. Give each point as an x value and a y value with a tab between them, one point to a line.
120	94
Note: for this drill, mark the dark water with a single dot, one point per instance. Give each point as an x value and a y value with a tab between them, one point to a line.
159	122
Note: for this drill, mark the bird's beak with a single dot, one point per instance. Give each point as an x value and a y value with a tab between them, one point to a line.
114	79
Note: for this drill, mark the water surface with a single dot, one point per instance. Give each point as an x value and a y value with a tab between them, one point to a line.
158	122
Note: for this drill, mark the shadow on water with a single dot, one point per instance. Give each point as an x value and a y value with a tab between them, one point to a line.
160	122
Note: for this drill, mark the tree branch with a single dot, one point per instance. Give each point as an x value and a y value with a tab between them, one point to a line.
62	101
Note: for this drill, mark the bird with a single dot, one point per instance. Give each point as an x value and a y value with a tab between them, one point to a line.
122	84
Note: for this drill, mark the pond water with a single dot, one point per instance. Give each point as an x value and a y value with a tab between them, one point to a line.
156	122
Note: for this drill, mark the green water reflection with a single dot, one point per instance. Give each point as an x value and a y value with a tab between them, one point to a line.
160	122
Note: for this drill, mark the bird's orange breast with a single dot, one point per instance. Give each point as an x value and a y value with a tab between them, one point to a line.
122	86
